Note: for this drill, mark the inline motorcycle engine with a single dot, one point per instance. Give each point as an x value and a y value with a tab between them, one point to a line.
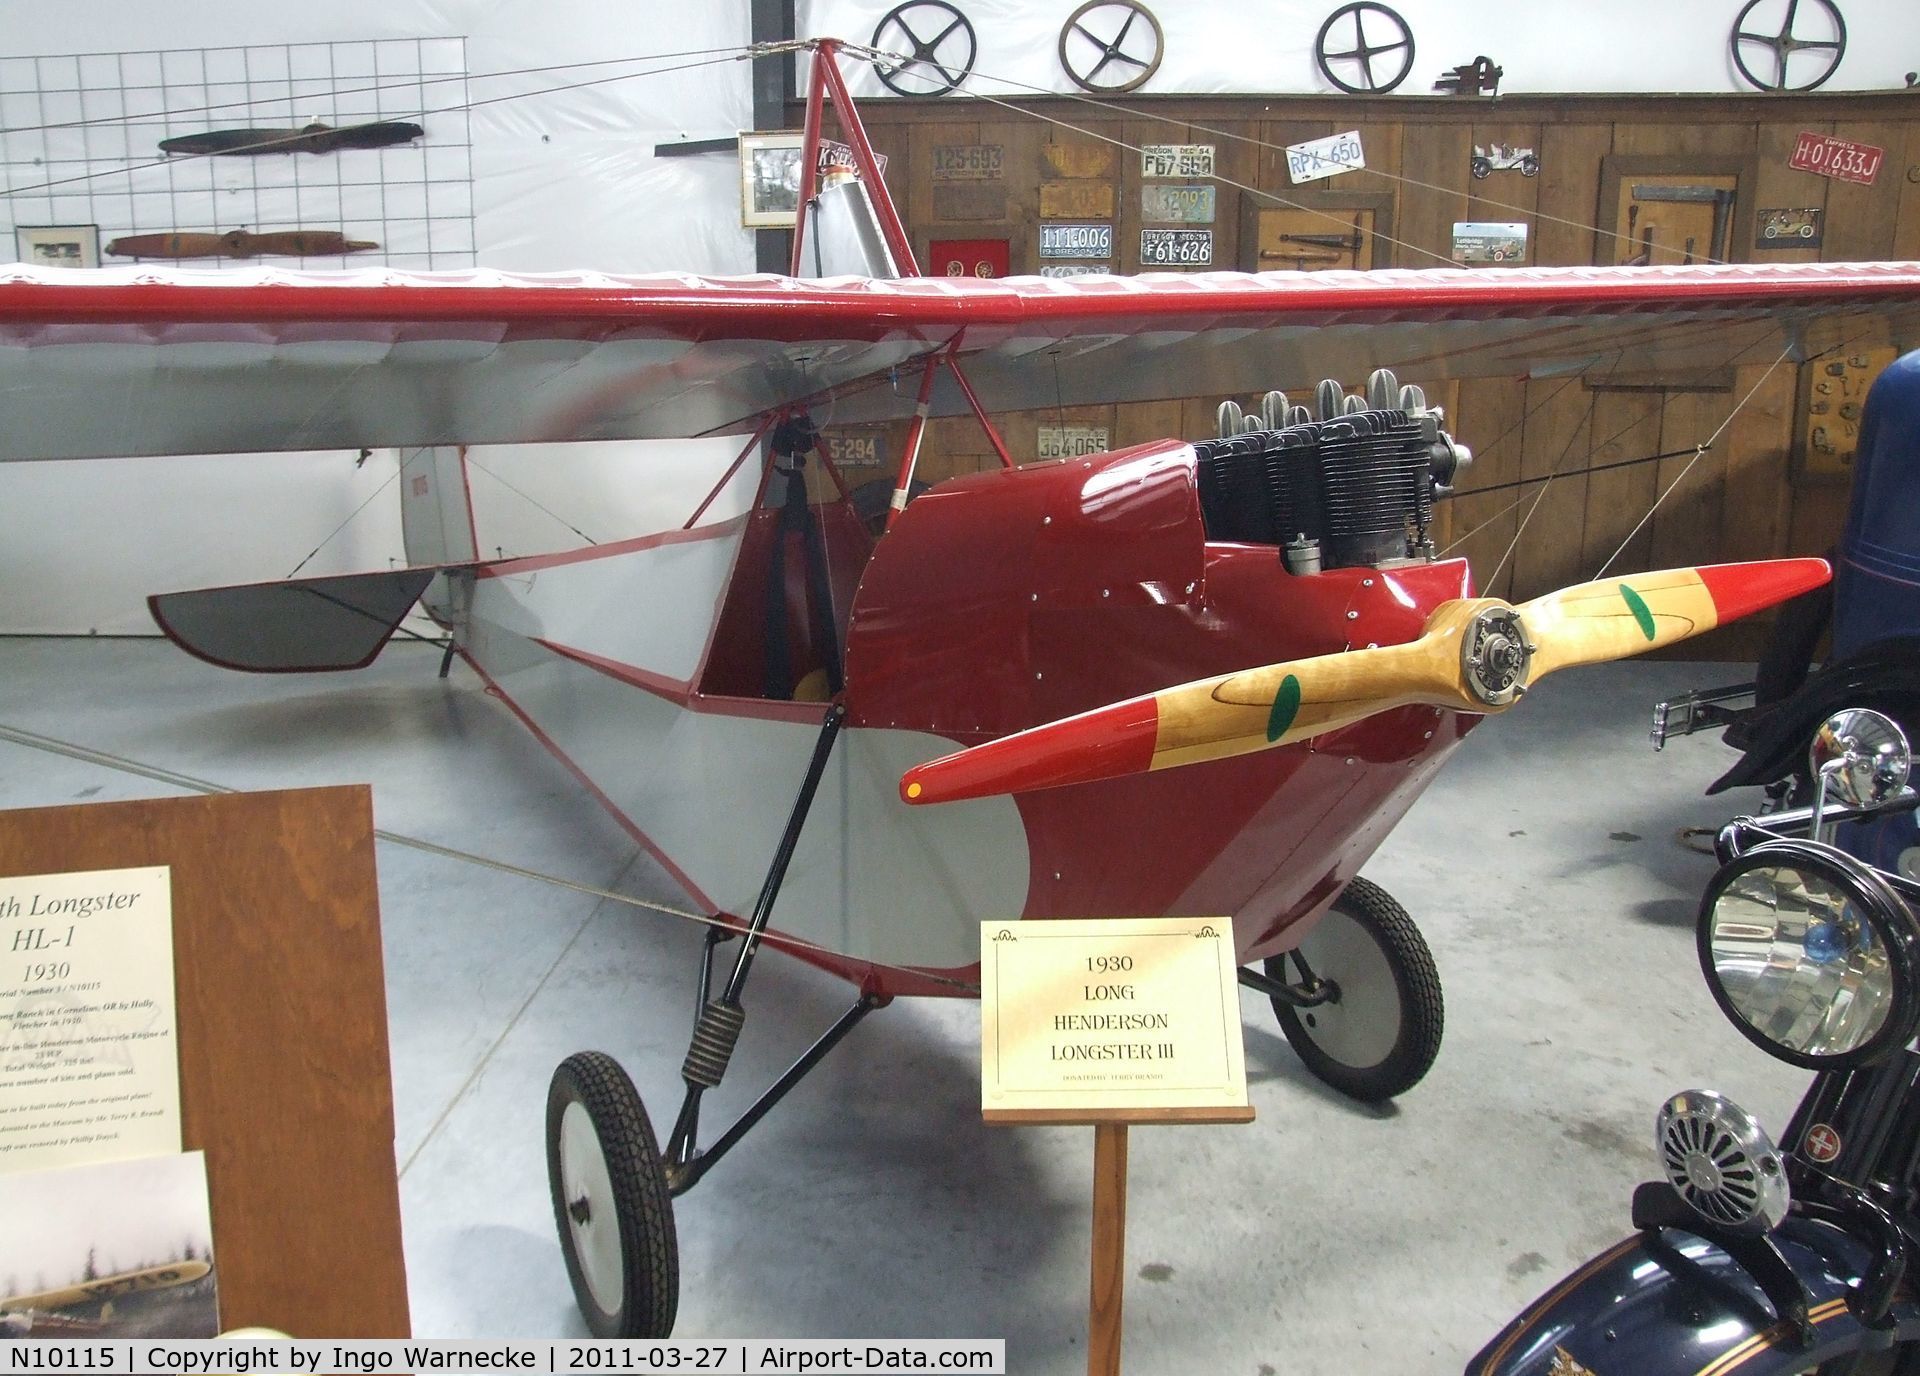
1352	485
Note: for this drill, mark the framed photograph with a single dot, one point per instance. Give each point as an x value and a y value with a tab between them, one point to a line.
58	246
770	179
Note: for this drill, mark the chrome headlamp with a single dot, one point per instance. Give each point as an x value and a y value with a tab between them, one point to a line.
1811	954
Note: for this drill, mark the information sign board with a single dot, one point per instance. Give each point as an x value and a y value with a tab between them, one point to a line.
1120	1019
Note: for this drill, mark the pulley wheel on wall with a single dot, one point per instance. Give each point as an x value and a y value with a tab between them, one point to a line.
1765	53
1111	46
1381	55
936	43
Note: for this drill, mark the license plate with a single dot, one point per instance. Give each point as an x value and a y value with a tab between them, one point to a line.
1841	158
1072	441
1309	162
1076	241
1191	205
1176	160
1181	248
961	162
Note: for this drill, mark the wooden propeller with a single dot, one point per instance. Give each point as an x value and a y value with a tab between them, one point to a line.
1474	655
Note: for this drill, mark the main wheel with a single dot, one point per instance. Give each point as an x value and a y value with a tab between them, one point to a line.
610	1200
1379	1035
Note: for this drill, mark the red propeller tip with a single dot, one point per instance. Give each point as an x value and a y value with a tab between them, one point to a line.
1094	745
1739	589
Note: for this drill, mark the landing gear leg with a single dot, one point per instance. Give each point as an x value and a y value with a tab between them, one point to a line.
613	1188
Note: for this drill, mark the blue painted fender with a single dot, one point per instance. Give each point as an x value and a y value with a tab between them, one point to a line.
1671	1304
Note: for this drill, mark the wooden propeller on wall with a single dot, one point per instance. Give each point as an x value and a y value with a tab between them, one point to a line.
1474	655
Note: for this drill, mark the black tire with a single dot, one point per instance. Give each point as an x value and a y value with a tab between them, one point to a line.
1529	167
1482	167
637	1295
1381	1035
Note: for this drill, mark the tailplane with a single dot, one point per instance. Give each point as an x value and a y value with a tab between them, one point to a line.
342	621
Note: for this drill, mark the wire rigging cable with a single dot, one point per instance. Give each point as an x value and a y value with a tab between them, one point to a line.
52	745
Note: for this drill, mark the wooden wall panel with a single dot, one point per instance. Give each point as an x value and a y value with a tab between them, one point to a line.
1692	483
1780	187
1757	502
1381	144
1740	501
1626	426
1554	515
1493	424
1861	219
1671	138
1569	191
1277	134
1424	218
1502	196
1237	160
1903	164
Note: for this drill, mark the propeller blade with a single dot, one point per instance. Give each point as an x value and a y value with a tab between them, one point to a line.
1612	618
1474	656
1209	719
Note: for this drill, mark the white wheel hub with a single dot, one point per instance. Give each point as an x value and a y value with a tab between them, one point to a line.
593	1223
1361	1029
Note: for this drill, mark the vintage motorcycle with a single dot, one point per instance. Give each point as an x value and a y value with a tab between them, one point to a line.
1750	1258
1872	612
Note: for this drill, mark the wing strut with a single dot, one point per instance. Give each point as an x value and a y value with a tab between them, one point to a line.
827	84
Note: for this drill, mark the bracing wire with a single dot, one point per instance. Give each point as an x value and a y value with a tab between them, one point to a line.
268	145
398	83
175	779
1698	453
529	499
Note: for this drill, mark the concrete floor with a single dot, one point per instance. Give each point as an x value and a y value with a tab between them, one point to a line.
1324	1238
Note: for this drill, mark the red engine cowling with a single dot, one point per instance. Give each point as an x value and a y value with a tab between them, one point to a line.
1007	599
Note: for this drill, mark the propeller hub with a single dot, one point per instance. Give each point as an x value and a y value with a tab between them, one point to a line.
1495	656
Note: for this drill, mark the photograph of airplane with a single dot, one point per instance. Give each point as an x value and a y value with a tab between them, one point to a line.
115	1249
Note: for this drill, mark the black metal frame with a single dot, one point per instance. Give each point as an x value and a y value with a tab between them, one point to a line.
717	1022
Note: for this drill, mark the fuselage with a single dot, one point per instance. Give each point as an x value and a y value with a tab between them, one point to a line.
994	603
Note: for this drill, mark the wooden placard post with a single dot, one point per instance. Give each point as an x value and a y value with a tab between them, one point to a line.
1109	1022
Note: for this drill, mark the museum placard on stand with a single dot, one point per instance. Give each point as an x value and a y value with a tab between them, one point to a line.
281	1043
1117	1020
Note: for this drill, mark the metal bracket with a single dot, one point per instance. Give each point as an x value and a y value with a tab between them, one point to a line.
1311	993
1699	710
1657	1205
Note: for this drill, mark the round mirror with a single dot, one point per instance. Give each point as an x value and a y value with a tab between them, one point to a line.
1809	953
1863	756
